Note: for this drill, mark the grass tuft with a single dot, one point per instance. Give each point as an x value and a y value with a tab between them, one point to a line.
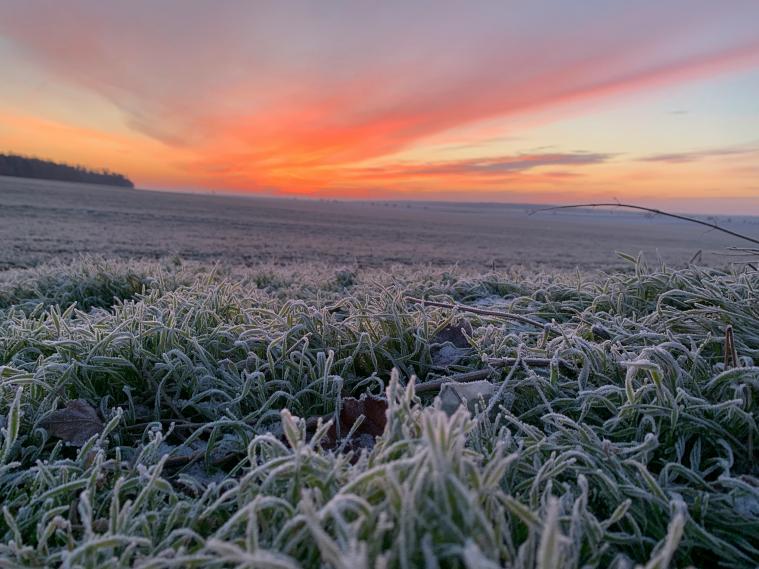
622	435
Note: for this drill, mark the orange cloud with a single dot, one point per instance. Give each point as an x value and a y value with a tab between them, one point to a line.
312	144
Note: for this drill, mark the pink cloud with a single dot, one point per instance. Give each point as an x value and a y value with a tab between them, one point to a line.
695	155
500	167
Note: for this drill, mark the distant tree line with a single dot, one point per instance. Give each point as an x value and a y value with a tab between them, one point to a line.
28	167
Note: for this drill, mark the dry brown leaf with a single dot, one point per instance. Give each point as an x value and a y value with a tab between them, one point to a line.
74	424
372	408
375	418
453	333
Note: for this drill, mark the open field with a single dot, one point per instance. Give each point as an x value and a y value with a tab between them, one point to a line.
42	221
251	383
171	418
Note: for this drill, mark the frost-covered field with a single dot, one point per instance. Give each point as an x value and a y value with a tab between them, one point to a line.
217	427
43	221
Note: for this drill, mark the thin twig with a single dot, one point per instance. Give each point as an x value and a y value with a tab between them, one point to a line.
742	251
657	212
479	374
752	250
531	362
481	311
469	376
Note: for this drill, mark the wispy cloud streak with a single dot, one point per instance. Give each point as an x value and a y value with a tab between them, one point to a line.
696	155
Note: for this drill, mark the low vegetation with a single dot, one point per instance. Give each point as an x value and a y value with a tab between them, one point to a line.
621	430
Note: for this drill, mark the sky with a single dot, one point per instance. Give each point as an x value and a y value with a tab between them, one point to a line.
654	102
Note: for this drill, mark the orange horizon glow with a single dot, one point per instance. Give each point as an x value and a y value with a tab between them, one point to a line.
467	107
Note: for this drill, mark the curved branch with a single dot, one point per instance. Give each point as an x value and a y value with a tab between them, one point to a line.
657	212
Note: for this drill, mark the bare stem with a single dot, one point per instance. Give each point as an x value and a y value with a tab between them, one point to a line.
657	212
479	374
481	311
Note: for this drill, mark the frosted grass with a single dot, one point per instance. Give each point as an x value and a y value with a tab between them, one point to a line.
638	450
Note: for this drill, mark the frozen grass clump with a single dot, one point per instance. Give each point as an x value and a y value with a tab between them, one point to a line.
90	282
623	432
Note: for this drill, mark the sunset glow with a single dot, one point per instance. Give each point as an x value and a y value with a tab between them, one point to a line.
530	102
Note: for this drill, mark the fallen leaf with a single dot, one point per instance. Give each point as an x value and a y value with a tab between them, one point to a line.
454	334
449	345
373	410
447	355
74	424
455	394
